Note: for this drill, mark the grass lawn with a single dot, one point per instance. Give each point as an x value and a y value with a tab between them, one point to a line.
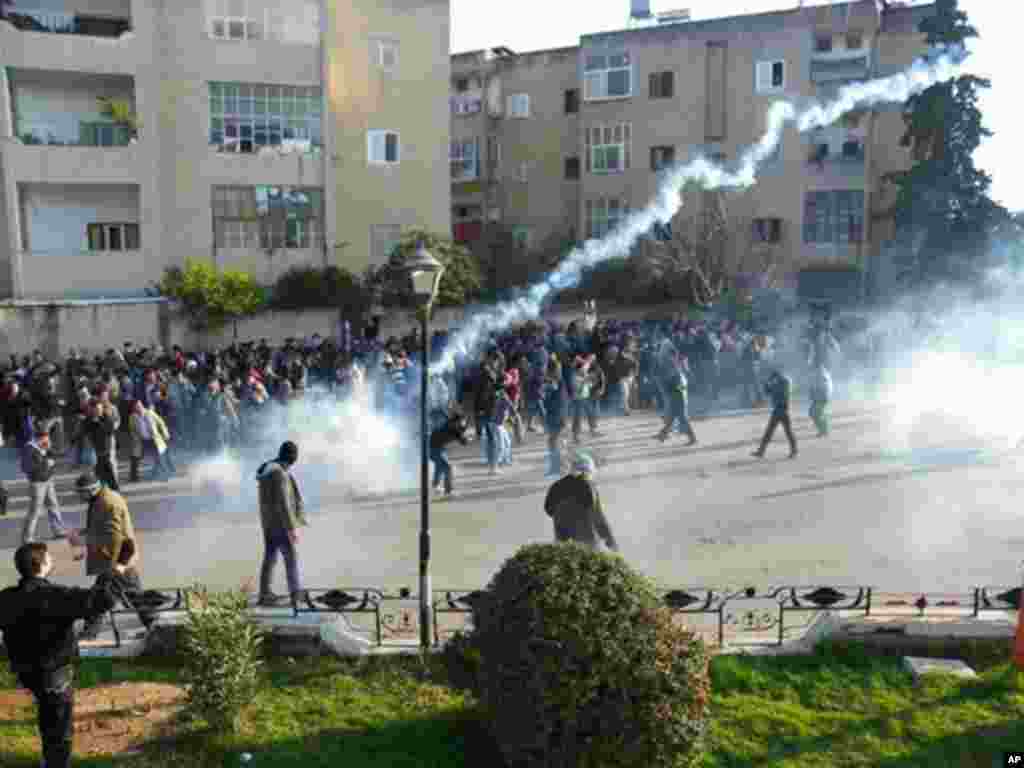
839	707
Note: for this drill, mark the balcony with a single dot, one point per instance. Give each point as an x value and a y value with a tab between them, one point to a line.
26	18
87	35
82	241
70	125
838	65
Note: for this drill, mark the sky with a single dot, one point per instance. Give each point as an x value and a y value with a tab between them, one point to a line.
526	25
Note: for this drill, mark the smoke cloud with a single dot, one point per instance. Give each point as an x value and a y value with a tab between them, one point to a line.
938	67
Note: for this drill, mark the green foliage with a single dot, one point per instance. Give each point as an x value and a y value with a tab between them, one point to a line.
211	297
581	666
460	282
120	111
943	210
222	657
306	287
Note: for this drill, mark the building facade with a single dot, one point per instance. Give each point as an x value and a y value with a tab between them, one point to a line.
558	146
260	134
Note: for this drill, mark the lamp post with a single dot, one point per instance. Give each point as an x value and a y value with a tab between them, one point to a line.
423	273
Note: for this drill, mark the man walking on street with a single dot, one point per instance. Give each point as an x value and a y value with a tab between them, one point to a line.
38	466
778	388
109	541
37	620
281	513
574	506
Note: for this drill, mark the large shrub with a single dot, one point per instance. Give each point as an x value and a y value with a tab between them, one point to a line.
310	287
222	657
580	666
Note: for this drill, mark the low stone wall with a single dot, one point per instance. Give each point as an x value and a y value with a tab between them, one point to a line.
58	327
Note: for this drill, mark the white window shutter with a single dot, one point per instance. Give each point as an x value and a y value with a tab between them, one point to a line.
764	76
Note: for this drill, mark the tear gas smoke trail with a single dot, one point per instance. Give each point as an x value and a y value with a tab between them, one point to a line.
923	74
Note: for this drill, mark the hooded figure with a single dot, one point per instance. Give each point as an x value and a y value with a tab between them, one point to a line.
281	514
574	506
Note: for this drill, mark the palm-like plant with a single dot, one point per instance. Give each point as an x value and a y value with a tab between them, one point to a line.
120	111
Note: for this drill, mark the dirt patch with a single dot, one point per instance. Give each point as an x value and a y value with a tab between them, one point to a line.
111	719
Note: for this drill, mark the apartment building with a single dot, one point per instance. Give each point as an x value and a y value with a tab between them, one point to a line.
562	144
261	134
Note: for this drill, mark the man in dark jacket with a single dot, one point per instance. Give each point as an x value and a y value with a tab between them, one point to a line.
100	428
574	506
455	428
778	388
37	620
281	514
39	467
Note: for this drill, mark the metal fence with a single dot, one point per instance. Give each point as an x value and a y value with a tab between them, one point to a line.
726	615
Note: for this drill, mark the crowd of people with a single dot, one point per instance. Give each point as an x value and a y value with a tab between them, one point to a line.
159	406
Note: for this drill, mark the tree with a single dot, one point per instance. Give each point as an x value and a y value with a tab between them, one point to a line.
330	287
943	213
210	298
706	248
460	282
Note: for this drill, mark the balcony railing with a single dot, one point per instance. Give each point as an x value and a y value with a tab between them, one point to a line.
840	65
90	134
29	20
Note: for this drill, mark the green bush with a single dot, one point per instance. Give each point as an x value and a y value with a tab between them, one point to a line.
581	666
222	659
309	287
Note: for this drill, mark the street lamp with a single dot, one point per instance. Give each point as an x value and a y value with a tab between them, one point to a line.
423	273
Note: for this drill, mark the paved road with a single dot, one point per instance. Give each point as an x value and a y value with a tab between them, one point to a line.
856	508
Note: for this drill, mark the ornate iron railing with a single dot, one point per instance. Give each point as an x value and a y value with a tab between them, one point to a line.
751	612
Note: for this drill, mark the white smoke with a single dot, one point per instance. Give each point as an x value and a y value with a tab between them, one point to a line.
933	69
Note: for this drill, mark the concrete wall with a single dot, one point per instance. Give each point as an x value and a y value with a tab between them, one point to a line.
93	328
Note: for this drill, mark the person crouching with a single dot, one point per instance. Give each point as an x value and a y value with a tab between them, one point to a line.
455	428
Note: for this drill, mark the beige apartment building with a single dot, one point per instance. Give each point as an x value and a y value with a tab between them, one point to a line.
558	145
261	134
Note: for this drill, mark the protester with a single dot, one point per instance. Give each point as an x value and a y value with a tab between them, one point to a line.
108	532
778	388
150	436
39	466
281	514
574	506
37	620
456	428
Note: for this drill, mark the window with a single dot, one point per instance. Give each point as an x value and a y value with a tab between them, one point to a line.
608	148
771	76
103	135
466	105
604	214
468	225
662	157
493	154
835	217
383	239
521	237
572	101
572	168
246	117
854	41
113	237
463	156
236	20
767	230
607	77
661	85
519	105
268	217
823	43
387	55
382	147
